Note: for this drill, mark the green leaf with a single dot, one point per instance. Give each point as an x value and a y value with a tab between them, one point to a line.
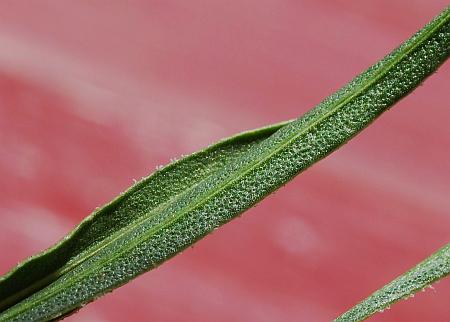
435	267
142	200
170	210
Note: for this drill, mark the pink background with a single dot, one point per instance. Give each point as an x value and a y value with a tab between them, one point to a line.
96	93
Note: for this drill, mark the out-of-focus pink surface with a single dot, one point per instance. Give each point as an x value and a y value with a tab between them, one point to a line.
95	94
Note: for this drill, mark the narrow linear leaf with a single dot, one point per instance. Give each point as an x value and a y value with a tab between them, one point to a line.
167	212
435	267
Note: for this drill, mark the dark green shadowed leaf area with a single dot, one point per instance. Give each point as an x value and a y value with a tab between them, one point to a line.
167	212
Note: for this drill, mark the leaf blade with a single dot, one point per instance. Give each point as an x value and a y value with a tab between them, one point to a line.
63	255
432	269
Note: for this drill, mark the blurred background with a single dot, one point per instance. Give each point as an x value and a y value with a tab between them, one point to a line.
94	94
